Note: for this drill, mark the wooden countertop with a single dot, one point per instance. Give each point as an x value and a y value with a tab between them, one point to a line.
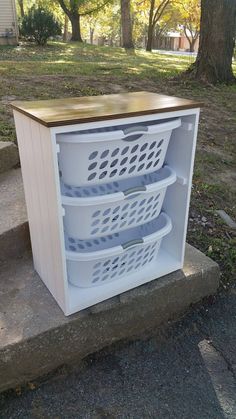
68	111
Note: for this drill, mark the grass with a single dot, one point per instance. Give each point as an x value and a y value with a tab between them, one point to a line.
59	70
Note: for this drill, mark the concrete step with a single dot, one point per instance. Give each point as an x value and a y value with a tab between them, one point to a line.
36	338
9	156
14	232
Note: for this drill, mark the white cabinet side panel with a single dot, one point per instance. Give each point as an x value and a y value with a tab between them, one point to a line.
31	197
57	274
180	157
36	154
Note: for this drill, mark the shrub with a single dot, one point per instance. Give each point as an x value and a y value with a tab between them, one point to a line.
40	24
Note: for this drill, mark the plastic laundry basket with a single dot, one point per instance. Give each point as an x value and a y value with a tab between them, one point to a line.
105	209
102	260
101	157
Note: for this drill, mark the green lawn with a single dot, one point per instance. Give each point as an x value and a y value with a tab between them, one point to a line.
60	70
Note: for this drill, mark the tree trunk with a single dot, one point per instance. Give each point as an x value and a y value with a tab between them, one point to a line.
126	25
21	5
150	27
75	24
191	46
217	39
192	43
65	32
192	38
149	39
91	33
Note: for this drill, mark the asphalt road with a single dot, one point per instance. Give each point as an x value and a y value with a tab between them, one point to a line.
187	370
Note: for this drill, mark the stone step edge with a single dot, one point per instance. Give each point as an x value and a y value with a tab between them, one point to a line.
124	317
14	242
14	230
9	156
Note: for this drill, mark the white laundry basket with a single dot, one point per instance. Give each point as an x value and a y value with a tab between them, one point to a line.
100	157
102	260
105	209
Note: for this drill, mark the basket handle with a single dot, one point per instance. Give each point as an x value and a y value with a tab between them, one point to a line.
134	190
136	132
132	243
127	134
137	129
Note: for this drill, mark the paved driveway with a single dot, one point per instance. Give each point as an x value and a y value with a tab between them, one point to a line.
186	53
186	371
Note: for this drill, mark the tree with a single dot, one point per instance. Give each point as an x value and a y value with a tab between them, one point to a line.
65	30
40	24
191	35
126	25
91	23
168	22
108	24
74	9
21	6
103	25
156	10
139	18
217	40
189	13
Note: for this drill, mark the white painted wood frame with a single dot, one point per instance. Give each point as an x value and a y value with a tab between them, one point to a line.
39	159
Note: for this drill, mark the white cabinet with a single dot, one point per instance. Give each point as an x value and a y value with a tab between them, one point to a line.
107	190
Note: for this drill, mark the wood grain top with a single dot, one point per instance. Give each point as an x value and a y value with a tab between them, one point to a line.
67	111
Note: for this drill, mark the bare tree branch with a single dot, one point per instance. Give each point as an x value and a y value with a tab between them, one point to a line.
95	9
160	10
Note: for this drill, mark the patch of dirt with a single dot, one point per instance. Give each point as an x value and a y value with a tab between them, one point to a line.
229	178
212	150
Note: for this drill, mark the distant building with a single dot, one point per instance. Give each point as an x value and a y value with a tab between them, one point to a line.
8	23
173	41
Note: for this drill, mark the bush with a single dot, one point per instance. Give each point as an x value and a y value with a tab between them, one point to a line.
40	24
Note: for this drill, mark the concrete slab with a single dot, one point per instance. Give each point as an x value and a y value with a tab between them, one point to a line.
35	336
181	371
14	232
9	156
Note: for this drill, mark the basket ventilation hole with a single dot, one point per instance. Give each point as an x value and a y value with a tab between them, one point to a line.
115	152
92	176
93	155
92	166
103	164
104	154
